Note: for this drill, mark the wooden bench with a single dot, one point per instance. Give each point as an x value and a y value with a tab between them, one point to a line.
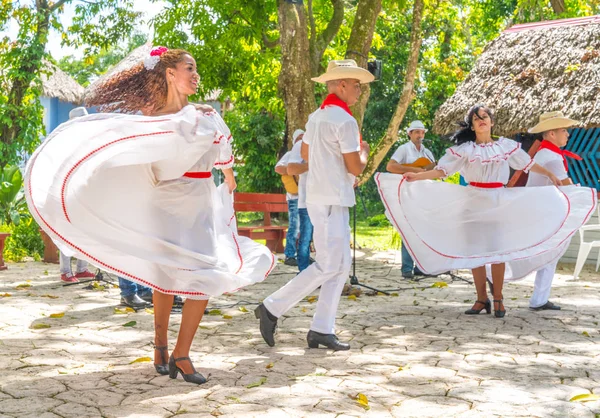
266	203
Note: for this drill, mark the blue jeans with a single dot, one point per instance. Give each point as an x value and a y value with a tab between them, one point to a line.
129	288
407	261
292	233
306	233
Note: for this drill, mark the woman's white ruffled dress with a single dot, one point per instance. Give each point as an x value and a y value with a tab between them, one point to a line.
446	226
109	189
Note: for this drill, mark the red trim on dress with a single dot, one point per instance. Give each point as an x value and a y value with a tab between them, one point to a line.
486	185
198	174
226	162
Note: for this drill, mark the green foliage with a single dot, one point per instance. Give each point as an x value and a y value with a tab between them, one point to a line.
378	220
13	206
86	69
25	241
257	136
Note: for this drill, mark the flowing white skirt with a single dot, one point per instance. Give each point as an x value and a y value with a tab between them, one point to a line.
446	226
108	190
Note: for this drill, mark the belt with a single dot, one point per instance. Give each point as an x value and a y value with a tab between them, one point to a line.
487	185
198	174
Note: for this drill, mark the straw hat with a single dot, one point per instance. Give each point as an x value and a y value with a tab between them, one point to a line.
550	121
414	125
340	69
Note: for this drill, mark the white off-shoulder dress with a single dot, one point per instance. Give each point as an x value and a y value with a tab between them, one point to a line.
447	226
113	190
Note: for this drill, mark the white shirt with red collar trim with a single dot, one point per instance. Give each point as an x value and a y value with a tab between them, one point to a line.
330	133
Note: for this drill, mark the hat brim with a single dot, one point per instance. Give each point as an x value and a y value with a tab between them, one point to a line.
409	130
553	123
340	73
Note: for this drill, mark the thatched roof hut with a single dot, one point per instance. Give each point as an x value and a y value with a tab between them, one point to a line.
58	84
530	69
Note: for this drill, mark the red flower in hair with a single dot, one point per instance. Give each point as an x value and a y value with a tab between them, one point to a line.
158	51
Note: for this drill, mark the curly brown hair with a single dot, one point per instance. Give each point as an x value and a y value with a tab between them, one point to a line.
137	88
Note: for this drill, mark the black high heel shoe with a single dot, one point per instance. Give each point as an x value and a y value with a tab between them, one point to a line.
486	305
162	368
499	313
191	377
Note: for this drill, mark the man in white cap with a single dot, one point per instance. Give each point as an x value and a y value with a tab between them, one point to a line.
290	183
298	167
411	157
335	154
552	127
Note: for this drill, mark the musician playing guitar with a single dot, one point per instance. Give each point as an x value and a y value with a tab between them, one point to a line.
411	157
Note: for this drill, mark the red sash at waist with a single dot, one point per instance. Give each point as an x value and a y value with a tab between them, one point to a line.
198	174
486	185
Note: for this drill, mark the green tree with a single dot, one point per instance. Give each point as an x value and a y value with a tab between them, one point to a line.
96	25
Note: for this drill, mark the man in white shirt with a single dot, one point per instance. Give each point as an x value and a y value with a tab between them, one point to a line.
298	167
553	129
281	168
411	157
335	154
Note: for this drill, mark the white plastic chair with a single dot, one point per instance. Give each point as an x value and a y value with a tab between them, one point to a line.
586	247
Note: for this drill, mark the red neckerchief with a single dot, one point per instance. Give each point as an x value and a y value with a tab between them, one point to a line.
333	100
563	153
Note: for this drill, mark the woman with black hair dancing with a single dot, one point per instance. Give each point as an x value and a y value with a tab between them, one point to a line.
484	223
134	195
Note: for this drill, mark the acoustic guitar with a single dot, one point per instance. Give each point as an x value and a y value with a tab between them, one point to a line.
421	162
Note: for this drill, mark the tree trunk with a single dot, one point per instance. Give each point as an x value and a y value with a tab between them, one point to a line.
558	6
359	46
294	79
30	67
391	135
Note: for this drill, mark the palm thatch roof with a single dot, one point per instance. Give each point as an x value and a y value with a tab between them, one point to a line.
58	84
530	69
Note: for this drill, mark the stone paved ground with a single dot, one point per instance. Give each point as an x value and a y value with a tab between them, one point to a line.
413	354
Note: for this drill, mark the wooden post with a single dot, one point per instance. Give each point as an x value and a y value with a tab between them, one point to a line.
50	250
3	237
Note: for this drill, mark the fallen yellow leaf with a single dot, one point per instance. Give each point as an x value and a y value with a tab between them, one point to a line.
363	401
120	311
130	310
5	295
40	326
243	309
269	366
149	310
23	286
585	333
214	312
311	299
49	296
141	360
303	309
439	284
352	297
395	294
586	397
227	317
57	315
261	382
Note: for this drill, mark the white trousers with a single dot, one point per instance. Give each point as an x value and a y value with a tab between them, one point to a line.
330	271
542	285
65	264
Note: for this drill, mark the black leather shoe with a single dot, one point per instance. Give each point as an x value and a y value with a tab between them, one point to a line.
268	324
330	341
147	296
548	306
291	261
177	301
418	272
484	305
193	377
163	367
134	301
408	275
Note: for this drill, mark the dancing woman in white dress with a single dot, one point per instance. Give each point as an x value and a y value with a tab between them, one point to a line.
134	195
447	226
